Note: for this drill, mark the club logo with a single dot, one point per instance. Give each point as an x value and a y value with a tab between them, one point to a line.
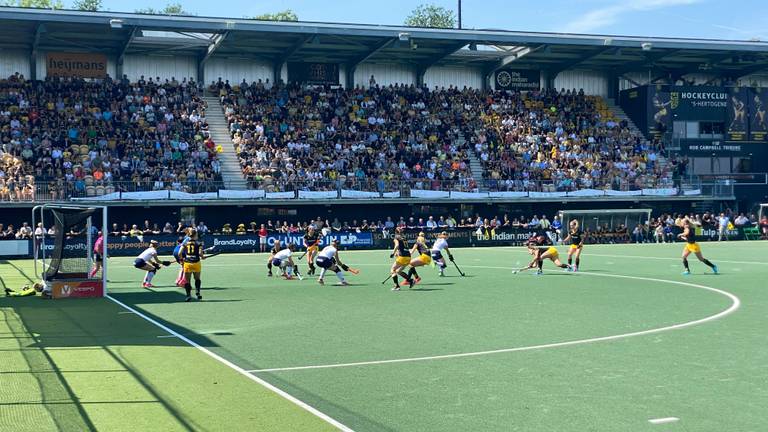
503	79
66	291
674	99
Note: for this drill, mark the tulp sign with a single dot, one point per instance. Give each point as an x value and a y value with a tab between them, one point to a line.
81	65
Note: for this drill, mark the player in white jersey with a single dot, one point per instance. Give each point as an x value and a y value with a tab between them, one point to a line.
149	262
328	259
440	245
284	261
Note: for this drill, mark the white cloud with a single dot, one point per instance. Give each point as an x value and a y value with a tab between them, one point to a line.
599	18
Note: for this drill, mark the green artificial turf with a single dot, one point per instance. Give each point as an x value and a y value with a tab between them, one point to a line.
711	376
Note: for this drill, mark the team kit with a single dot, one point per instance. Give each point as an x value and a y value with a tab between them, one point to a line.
189	254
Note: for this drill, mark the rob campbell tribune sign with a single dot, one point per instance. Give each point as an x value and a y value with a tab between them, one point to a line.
82	65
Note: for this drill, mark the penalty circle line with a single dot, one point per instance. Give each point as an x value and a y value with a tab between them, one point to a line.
735	304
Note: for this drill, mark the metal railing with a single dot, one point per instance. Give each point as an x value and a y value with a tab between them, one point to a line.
377	189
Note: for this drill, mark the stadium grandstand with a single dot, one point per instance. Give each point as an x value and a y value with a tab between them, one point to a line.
139	137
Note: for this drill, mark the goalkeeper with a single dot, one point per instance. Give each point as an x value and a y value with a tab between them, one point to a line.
149	262
440	245
25	292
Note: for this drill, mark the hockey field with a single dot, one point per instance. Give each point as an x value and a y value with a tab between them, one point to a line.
627	343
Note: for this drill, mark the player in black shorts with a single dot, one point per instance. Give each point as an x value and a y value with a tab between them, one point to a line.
312	243
577	238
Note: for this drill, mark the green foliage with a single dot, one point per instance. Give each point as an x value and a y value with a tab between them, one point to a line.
169	9
40	4
286	15
87	5
429	15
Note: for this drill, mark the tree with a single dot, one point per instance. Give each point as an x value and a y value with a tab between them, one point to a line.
286	15
40	4
87	5
169	9
429	15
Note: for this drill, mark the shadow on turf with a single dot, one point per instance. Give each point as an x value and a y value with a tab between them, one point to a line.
150	296
89	324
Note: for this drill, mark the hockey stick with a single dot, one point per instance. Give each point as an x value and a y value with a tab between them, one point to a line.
385	280
457	268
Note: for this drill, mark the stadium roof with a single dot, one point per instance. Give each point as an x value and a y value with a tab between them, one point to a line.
351	44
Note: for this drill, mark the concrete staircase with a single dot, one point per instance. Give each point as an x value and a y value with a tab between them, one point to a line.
661	161
474	163
621	115
231	172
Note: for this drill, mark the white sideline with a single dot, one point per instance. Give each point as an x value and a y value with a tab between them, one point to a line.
735	304
335	423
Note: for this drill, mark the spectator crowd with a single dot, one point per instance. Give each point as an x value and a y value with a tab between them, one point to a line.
68	136
378	137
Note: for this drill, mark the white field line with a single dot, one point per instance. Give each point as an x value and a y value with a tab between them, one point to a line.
668	258
663	420
735	304
333	422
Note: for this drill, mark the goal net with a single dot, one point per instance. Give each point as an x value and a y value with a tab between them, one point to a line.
69	251
608	223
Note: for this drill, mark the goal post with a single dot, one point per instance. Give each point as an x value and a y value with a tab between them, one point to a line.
595	220
63	249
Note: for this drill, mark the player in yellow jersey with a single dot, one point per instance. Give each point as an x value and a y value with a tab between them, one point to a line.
402	255
420	256
691	247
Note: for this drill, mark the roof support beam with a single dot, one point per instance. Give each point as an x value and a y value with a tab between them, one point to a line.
556	69
218	40
648	60
123	50
750	70
422	68
39	30
293	49
352	65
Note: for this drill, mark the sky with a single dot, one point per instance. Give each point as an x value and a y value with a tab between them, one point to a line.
713	19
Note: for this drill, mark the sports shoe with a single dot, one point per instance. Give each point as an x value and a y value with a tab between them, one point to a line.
188	299
321	282
575	269
199	296
405	283
539	272
411	283
269	274
442	274
417	280
344	283
687	273
8	291
715	270
147	285
396	288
